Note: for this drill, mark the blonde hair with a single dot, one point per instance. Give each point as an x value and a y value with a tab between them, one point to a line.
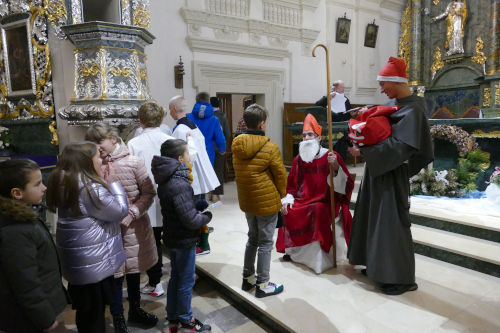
98	132
151	114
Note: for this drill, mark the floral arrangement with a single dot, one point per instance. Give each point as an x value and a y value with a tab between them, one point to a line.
5	139
495	177
459	180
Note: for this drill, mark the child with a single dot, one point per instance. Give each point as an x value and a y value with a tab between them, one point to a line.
145	146
32	294
137	234
182	223
261	182
88	235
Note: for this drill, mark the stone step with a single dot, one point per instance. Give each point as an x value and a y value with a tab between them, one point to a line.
469	252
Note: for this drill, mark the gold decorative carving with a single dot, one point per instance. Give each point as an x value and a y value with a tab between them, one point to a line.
123	71
143	75
90	70
404	48
438	63
482	134
487	97
436	2
55	136
142	17
480	57
497	94
55	10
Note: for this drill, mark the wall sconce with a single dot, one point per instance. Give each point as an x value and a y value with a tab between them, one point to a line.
178	74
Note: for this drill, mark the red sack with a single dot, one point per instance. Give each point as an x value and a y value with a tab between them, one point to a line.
372	126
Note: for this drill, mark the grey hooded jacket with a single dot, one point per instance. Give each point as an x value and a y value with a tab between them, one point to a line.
90	245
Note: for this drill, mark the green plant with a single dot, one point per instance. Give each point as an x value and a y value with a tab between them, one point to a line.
5	138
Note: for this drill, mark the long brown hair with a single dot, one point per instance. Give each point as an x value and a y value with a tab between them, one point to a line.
75	164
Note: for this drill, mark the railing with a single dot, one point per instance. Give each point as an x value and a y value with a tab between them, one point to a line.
229	7
282	14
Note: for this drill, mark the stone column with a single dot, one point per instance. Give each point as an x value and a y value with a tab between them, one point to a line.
415	75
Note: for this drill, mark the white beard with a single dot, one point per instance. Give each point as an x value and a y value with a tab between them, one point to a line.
308	150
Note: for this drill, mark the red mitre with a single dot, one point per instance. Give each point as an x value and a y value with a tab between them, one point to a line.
311	124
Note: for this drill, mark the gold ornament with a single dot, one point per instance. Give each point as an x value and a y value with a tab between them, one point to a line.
55	10
479	58
117	71
142	17
497	94
404	49
438	62
487	97
436	2
90	70
55	135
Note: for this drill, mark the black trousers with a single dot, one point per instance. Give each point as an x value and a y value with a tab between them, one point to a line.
219	171
155	273
90	301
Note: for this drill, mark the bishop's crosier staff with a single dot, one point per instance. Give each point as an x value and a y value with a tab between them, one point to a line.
330	146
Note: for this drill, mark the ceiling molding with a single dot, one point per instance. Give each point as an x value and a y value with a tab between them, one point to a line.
207	45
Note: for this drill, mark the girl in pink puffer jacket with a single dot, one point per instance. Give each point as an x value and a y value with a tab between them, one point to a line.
137	233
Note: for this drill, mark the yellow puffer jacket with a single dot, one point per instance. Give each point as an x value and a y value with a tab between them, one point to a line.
260	174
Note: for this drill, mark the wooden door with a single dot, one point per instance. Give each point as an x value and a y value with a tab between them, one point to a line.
225	106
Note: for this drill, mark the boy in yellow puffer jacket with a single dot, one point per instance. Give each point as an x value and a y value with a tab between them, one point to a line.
261	182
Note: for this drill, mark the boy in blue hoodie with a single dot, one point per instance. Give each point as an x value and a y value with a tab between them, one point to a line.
209	125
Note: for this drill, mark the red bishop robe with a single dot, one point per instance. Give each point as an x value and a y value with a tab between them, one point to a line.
310	218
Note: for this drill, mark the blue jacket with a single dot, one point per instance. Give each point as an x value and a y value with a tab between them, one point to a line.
203	116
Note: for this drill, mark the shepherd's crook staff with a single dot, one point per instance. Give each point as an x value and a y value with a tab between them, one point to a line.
330	146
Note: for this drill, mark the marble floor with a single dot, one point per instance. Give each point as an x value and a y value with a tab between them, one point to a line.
208	306
449	299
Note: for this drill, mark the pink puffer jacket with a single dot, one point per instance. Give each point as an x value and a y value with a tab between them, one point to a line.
137	234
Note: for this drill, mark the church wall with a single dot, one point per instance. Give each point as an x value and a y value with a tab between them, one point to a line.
304	78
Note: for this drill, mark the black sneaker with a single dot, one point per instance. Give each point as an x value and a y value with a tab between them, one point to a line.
194	326
248	282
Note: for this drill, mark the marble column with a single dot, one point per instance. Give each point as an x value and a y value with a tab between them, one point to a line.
415	73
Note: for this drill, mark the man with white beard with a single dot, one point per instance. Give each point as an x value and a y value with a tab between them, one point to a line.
306	235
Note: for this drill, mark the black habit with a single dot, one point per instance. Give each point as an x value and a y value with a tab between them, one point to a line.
381	236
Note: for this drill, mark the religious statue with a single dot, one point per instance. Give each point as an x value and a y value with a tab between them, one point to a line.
456	14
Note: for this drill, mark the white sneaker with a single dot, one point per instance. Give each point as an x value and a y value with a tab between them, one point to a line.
157	291
146	288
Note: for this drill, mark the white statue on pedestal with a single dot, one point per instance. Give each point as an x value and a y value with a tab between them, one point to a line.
456	14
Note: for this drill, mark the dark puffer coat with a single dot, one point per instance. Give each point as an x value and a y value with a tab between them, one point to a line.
31	291
181	220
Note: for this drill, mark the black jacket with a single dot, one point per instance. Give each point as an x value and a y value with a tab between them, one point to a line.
336	117
31	291
181	220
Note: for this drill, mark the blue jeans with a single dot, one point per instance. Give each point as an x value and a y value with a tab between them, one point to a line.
181	283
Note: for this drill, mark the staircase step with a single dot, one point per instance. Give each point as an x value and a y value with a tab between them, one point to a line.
477	254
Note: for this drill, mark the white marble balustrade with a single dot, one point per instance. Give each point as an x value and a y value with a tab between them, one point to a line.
280	14
229	7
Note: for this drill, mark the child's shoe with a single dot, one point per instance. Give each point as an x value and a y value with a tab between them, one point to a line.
249	282
268	289
194	326
120	324
203	246
171	326
147	288
137	315
157	291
